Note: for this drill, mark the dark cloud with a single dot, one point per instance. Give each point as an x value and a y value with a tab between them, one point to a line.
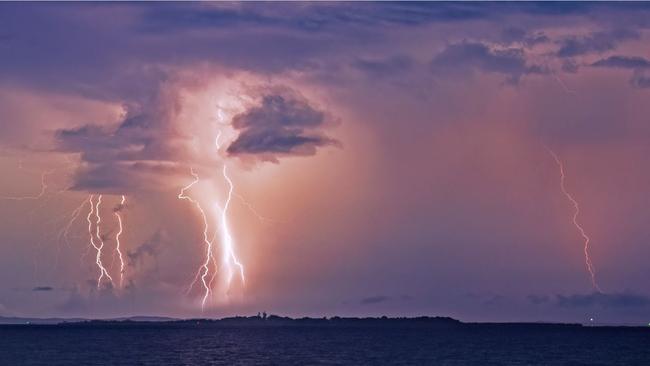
310	18
513	35
283	123
535	39
149	145
570	66
139	42
42	288
475	56
374	300
623	62
149	249
146	133
323	17
384	67
609	300
597	42
638	64
141	149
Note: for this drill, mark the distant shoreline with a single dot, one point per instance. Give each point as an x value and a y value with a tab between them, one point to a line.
278	321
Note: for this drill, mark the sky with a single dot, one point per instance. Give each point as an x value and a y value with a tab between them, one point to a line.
473	160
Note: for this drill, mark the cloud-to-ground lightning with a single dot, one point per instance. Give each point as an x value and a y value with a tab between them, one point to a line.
228	256
576	212
98	247
118	247
204	269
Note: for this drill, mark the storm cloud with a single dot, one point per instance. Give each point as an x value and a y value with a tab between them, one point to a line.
143	145
282	124
639	66
623	62
598	42
479	57
442	186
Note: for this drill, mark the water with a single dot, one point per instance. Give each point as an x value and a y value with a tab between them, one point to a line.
192	344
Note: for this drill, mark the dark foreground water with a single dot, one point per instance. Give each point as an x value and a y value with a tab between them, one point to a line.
186	344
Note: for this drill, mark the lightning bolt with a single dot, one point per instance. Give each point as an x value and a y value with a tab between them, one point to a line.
96	240
243	200
64	233
263	219
576	212
118	248
204	269
98	259
229	258
33	197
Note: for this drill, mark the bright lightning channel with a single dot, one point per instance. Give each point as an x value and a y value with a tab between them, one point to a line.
228	254
243	200
118	248
576	212
204	269
98	258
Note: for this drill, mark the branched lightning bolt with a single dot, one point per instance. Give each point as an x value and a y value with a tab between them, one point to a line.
64	231
204	269
229	258
63	234
243	200
98	259
33	197
96	240
576	212
260	217
118	248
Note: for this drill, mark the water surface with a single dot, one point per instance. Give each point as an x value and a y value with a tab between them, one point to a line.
204	344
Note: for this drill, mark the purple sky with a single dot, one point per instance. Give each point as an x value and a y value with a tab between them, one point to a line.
386	158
